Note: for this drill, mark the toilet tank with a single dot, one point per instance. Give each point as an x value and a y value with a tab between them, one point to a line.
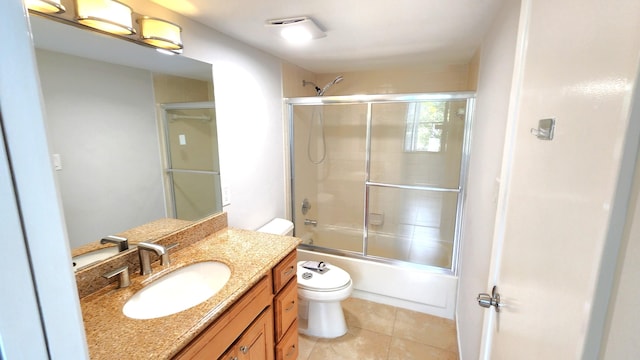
278	226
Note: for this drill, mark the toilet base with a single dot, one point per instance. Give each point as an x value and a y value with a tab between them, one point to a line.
323	320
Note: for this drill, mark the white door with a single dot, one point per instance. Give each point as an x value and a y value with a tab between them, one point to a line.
578	64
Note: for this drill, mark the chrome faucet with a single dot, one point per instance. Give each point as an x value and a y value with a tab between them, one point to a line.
123	243
143	253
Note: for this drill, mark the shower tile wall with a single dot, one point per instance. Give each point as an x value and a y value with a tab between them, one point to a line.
334	187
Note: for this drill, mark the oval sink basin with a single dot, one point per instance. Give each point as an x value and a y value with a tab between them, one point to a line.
93	256
177	291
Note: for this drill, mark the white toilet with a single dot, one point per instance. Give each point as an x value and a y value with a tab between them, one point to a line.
321	288
319	294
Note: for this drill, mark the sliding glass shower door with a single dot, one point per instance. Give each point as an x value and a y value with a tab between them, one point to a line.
381	177
192	166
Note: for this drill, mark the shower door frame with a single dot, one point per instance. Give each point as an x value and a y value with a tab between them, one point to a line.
169	170
370	100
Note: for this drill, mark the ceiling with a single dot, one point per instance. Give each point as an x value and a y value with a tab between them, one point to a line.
361	34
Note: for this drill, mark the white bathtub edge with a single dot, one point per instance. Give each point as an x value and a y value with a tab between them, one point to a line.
411	289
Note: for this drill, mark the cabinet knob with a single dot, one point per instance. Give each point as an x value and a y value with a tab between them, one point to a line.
289	271
244	349
290	307
291	351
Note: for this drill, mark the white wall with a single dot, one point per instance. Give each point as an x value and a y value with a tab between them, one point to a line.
41	220
107	139
494	86
559	201
621	339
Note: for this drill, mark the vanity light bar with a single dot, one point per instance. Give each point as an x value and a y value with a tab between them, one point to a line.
160	33
110	16
46	6
113	18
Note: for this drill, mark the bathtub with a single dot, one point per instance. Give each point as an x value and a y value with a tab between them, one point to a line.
426	290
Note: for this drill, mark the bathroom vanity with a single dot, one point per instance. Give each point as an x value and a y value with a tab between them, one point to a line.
273	300
253	315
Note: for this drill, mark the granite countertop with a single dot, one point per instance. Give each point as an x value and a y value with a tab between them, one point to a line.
146	232
111	335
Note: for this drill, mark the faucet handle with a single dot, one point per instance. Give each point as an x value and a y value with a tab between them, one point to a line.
123	279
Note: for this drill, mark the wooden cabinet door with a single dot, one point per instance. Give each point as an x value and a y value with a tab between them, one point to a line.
257	341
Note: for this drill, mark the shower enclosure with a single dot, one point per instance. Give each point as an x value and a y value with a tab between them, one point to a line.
381	177
192	170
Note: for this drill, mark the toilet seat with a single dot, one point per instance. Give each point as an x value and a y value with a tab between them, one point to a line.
333	280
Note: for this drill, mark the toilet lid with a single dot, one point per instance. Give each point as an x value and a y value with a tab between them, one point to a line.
333	279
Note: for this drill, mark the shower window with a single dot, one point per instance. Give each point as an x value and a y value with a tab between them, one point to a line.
426	122
383	175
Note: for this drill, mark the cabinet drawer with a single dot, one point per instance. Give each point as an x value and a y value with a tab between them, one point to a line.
287	348
284	271
286	308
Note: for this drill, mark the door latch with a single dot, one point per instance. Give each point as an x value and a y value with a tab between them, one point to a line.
485	300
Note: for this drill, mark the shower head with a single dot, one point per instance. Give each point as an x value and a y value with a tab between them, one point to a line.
326	87
319	91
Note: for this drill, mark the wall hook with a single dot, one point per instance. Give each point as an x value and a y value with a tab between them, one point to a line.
545	129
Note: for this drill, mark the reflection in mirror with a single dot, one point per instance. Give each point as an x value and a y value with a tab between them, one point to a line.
190	128
102	98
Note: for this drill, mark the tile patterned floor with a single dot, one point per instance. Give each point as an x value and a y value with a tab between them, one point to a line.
383	332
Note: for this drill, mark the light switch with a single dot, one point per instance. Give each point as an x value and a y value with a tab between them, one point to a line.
57	162
226	196
182	139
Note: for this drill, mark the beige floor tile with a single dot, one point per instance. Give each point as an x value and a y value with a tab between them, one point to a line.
357	344
402	349
378	331
305	346
425	329
369	315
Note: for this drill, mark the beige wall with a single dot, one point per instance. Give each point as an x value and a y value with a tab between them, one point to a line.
410	79
173	89
292	77
413	79
474	69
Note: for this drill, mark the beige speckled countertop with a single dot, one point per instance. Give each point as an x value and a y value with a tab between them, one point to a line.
112	335
146	232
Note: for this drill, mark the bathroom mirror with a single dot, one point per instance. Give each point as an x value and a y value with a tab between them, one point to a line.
103	100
